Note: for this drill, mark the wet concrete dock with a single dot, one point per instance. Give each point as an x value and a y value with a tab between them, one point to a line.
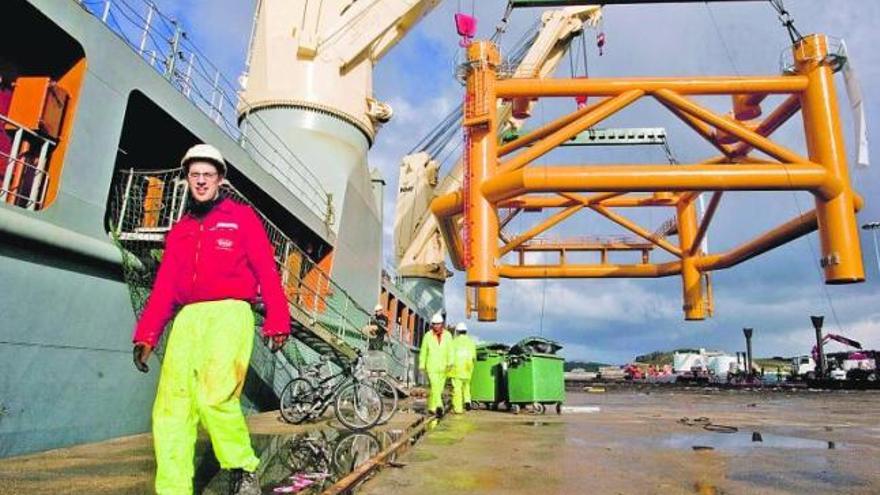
636	442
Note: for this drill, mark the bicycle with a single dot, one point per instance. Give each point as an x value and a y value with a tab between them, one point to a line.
388	391
357	403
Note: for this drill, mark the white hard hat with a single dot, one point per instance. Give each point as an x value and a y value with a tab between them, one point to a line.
377	308
204	153
437	318
461	327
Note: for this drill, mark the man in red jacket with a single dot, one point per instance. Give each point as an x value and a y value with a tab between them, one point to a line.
217	261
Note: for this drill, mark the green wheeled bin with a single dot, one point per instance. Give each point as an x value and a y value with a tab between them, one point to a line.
535	375
488	382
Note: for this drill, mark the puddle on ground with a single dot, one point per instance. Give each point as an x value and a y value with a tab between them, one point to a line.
742	440
542	423
307	463
801	481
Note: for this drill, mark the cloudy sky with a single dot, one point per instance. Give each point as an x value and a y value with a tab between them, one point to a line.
613	320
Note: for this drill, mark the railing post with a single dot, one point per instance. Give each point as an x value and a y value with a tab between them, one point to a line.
125	197
146	32
5	193
38	184
214	92
171	59
187	78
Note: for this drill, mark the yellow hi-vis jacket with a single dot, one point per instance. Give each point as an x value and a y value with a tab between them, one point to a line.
464	354
436	357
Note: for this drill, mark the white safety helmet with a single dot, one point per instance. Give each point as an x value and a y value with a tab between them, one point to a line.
204	153
377	308
461	328
437	318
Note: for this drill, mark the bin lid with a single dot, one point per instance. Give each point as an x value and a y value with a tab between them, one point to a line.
535	345
494	347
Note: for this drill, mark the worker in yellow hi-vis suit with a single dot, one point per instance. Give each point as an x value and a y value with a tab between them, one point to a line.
435	360
464	356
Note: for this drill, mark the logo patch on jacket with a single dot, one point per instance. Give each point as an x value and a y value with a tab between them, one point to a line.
225	244
225	226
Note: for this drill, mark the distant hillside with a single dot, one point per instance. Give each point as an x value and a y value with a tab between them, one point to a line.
656	358
665	357
584	365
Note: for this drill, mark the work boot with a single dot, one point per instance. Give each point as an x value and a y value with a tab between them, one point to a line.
244	483
468	406
438	412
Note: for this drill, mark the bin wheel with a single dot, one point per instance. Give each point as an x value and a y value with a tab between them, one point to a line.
538	407
492	406
514	408
559	408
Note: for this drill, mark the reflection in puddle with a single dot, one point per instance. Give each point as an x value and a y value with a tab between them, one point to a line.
738	441
312	462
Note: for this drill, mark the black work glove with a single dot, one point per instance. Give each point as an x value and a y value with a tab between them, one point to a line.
141	353
275	342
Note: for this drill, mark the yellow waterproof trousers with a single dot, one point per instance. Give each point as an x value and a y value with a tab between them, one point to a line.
437	381
203	372
461	393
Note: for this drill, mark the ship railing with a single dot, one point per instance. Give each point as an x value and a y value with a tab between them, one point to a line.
23	165
162	43
147	203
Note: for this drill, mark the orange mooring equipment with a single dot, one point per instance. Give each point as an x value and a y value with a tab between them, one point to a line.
498	178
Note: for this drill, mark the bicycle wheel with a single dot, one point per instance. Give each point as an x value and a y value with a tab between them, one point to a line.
358	406
297	401
388	392
354	449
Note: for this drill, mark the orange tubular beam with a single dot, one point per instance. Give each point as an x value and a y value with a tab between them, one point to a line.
841	251
487	303
519	88
590	271
647	178
553	220
636	229
547	224
553	140
774	121
787	232
691	279
700	128
540	202
448	205
548	129
732	127
481	122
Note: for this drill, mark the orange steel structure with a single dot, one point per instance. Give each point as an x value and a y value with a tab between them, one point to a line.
498	176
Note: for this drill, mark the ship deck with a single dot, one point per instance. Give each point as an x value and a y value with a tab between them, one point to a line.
624	441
